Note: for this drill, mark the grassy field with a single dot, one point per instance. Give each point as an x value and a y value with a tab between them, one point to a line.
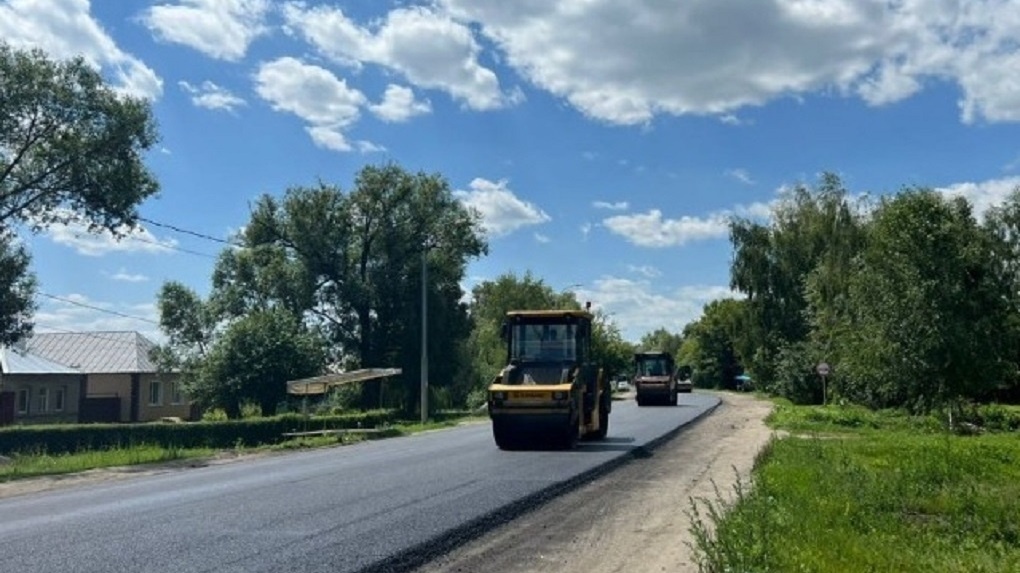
852	490
22	466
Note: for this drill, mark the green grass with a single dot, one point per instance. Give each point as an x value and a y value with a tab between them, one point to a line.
853	490
23	466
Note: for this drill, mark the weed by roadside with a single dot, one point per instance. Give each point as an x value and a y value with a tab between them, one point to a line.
881	492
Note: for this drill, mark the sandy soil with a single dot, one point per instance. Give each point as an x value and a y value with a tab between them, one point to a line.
634	519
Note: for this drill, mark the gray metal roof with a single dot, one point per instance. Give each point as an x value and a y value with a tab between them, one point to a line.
95	352
15	361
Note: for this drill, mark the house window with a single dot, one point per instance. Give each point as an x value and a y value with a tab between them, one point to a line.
44	399
155	393
176	397
23	401
59	396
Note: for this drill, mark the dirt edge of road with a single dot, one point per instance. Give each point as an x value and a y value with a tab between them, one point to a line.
636	518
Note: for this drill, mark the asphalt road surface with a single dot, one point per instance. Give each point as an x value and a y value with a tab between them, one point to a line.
388	505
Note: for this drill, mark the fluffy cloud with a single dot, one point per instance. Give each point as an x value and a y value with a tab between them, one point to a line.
399	104
651	230
638	308
99	243
65	29
618	206
502	211
625	62
315	95
428	48
212	96
984	194
221	29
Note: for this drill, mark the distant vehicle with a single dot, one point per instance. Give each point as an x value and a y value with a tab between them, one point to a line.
655	378
684	381
622	386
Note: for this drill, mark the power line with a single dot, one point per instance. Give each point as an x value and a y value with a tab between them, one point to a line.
96	308
177	229
171	247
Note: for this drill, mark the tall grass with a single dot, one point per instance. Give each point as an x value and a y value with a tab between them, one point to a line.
855	490
41	463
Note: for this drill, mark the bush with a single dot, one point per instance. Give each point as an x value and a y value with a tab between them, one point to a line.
58	439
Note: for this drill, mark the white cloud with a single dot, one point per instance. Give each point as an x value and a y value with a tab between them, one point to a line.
78	313
618	206
211	96
639	308
399	104
645	270
626	62
315	95
984	194
741	175
540	238
502	211
428	48
221	29
585	230
124	276
102	242
651	230
65	29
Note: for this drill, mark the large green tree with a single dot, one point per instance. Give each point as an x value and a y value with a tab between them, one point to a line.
812	235
926	319
352	264
71	149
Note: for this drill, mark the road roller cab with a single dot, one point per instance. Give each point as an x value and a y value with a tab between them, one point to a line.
655	378
551	392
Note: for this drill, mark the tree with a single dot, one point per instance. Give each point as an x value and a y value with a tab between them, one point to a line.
17	286
813	233
609	349
255	358
662	340
351	264
70	150
927	311
708	344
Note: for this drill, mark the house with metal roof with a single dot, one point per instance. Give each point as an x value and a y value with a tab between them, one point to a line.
36	390
122	383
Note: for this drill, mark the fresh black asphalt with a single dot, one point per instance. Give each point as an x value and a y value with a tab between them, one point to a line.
386	505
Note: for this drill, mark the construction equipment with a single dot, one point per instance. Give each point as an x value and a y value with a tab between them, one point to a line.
655	378
551	393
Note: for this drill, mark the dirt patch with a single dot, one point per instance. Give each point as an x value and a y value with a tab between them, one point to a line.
634	519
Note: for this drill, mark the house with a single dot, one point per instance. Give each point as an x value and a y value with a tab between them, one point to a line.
34	390
122	384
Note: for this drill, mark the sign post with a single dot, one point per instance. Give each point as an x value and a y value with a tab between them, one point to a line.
823	370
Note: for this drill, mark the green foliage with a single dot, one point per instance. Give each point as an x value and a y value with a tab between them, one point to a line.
254	359
350	266
30	465
663	341
925	313
878	493
58	439
70	150
709	344
813	235
17	290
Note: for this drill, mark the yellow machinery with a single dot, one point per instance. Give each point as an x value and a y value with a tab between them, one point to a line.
655	379
551	392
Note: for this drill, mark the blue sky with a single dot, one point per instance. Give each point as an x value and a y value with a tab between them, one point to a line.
606	143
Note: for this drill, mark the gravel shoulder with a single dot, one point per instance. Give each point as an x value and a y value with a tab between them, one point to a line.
633	519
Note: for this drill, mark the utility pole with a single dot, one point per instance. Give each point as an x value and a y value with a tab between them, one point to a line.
424	336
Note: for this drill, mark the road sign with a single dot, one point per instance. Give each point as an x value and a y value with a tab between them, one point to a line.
822	369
